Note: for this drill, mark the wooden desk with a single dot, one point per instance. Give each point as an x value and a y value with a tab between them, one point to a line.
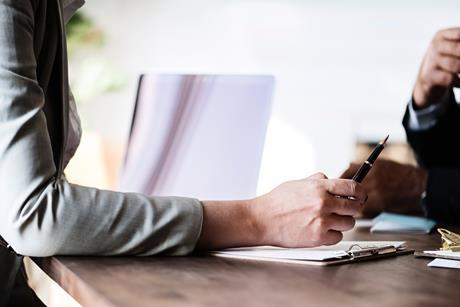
207	281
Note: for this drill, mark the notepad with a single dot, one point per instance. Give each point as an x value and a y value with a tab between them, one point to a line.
445	263
343	252
397	223
439	254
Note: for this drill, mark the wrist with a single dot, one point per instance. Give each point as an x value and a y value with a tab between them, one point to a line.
419	98
257	225
423	97
229	224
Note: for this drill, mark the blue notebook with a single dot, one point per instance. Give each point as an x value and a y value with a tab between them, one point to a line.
397	223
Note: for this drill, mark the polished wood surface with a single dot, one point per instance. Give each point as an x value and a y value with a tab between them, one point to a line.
208	281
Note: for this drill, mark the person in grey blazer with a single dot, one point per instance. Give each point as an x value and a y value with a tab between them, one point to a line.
42	214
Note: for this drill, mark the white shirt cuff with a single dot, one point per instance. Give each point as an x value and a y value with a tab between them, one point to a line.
426	118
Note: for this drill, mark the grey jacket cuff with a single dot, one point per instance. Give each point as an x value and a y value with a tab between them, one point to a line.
193	225
185	216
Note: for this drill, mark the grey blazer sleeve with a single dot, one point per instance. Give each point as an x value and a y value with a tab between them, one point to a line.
41	215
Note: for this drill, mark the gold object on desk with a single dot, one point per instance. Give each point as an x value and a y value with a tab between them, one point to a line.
450	240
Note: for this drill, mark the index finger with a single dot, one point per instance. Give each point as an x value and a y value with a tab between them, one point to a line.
344	206
451	34
449	47
347	188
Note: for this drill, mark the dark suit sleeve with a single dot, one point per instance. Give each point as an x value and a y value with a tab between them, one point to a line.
438	150
442	200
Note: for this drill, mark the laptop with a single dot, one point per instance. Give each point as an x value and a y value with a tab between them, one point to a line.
198	136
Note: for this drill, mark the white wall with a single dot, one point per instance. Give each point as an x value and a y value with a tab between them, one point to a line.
344	68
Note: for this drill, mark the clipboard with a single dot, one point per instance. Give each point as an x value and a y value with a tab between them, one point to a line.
355	251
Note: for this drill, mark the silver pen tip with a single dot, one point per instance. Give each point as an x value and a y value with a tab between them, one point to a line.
383	142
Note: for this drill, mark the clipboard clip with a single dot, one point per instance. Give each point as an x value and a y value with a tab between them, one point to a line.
6	246
357	251
450	240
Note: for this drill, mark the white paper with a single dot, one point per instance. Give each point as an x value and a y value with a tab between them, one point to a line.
282	253
445	263
315	254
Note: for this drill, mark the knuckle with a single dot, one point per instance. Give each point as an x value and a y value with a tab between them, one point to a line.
320	174
456	33
321	202
353	187
332	185
449	62
440	34
447	79
437	37
317	185
444	79
323	207
322	224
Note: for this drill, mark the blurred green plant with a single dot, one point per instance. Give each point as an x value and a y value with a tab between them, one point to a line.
82	33
92	73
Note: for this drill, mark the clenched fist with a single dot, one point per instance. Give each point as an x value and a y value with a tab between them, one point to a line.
300	213
307	212
440	68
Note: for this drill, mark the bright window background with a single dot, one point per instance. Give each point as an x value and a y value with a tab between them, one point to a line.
344	69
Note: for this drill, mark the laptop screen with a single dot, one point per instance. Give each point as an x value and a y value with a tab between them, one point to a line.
198	136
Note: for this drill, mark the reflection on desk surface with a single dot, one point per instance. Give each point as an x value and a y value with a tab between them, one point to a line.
212	281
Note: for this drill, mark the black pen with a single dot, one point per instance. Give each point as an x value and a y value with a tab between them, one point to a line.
367	165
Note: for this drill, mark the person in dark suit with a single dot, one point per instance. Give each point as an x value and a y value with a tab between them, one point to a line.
432	124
